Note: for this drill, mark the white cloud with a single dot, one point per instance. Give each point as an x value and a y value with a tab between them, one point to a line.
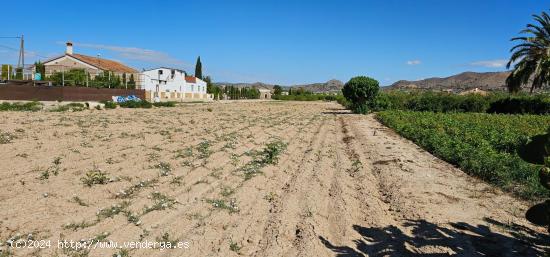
490	63
138	54
414	62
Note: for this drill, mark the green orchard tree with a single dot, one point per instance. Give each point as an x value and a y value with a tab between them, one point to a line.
361	92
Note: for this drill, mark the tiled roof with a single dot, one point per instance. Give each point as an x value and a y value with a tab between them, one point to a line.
190	79
104	64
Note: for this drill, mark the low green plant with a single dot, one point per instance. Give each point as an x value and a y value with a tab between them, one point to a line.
95	177
122	253
204	149
234	247
78	225
177	180
165	168
112	211
6	137
268	155
134	189
167	240
230	205
79	201
160	202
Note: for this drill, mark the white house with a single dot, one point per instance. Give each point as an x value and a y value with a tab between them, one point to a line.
265	93
169	84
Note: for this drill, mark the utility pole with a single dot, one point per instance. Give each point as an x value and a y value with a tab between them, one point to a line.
21	61
22	53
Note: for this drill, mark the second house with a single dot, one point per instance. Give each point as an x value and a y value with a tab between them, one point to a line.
169	84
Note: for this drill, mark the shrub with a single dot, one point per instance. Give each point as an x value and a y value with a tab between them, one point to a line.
165	104
29	106
136	104
109	104
361	93
74	107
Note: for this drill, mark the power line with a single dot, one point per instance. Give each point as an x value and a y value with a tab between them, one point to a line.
27	52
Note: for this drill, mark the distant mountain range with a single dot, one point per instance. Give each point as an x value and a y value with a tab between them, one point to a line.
488	81
326	87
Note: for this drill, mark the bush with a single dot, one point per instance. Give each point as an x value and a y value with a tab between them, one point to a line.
75	107
136	104
361	93
165	104
29	106
109	104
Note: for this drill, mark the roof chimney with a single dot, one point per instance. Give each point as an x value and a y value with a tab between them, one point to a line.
69	48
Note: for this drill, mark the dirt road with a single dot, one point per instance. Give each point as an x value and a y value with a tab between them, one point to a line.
344	186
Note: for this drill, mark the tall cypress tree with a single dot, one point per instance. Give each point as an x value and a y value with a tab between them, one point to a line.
198	68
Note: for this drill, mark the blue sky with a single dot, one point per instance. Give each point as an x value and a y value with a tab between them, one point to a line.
284	42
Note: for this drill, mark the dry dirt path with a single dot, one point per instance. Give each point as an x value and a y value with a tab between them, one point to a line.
344	186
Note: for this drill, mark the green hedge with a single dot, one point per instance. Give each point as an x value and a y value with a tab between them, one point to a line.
483	145
521	105
447	102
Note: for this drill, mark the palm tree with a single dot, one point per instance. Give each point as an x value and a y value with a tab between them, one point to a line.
531	56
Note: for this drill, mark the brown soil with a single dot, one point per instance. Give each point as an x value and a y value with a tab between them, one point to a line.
345	186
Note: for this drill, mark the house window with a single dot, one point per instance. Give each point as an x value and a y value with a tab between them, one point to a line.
160	72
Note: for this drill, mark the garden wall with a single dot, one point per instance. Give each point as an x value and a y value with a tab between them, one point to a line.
50	93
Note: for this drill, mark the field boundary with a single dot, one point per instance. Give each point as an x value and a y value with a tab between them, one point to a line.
50	93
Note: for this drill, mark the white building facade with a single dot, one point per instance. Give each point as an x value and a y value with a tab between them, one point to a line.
169	84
